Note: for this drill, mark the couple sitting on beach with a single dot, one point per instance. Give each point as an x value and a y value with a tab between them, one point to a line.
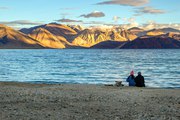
136	81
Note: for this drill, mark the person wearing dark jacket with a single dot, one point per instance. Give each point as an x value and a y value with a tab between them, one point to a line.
139	80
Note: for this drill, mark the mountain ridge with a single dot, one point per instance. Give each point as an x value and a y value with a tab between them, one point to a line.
59	36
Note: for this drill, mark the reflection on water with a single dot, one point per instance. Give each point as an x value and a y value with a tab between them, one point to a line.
161	68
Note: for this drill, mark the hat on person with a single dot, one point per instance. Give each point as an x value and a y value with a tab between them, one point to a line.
132	72
139	73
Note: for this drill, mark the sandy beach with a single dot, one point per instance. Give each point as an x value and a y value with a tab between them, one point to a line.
22	101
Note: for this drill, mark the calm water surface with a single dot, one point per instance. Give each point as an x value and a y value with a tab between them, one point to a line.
161	68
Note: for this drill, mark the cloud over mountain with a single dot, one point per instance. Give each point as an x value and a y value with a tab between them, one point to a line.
148	10
124	2
3	8
20	22
68	20
94	14
94	22
154	25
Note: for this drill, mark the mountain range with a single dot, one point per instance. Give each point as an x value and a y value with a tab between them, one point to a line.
59	36
12	39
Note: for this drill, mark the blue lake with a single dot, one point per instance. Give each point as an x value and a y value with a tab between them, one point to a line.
161	68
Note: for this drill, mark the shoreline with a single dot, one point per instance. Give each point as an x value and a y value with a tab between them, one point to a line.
86	102
59	83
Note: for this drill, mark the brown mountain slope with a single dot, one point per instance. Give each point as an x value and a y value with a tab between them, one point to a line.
174	35
77	28
46	38
90	37
128	35
10	38
155	32
135	30
61	31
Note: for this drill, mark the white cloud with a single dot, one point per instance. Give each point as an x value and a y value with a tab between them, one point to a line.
148	10
124	2
154	25
130	22
132	19
68	20
116	18
95	14
95	22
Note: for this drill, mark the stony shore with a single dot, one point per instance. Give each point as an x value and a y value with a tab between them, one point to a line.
22	101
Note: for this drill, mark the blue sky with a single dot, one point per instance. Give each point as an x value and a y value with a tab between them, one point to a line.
20	13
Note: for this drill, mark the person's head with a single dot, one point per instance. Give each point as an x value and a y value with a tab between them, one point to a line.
139	73
132	72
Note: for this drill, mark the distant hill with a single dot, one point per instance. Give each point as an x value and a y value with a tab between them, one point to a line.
168	30
146	42
161	31
11	39
157	42
135	29
153	32
108	45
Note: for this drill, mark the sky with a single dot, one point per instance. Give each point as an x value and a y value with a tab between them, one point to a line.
128	13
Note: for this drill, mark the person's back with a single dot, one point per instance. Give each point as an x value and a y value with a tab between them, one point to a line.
139	80
130	79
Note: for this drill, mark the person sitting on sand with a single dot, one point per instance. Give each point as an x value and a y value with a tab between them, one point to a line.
131	78
139	80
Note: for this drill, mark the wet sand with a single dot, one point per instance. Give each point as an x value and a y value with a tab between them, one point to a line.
22	101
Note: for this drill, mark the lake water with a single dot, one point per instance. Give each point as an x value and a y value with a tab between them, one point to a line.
161	68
